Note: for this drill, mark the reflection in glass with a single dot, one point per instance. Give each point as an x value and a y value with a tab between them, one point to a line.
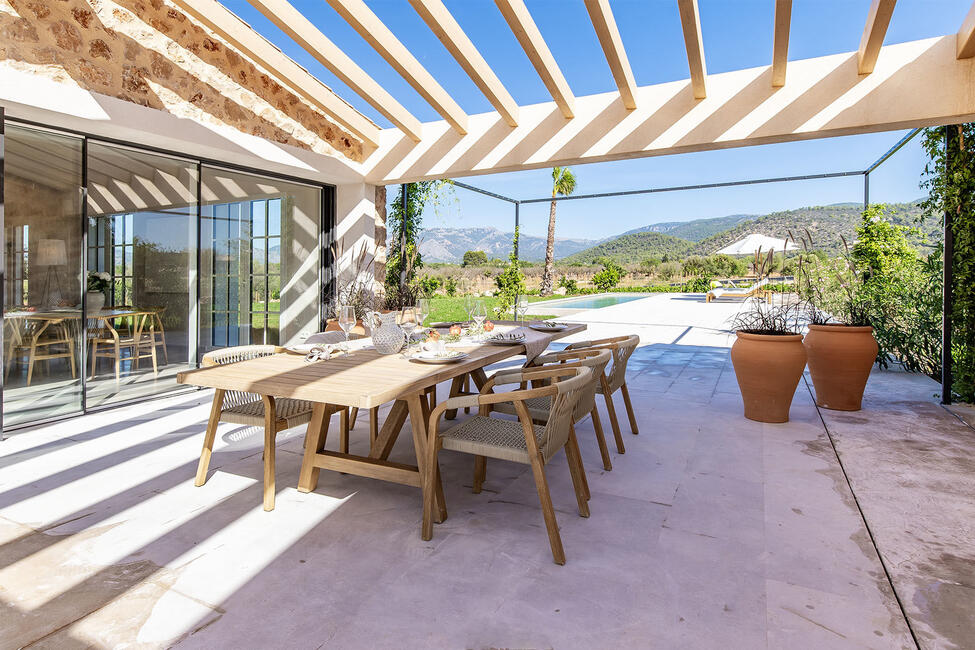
42	239
144	204
259	260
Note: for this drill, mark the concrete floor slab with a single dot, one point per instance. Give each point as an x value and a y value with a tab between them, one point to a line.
711	531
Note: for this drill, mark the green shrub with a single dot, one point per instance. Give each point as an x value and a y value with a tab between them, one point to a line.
510	283
450	286
610	276
475	258
568	284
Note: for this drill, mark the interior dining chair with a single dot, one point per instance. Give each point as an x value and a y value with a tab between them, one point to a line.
274	414
519	441
120	345
158	333
596	360
615	379
42	340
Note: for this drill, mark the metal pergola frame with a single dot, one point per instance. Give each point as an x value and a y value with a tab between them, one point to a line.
865	173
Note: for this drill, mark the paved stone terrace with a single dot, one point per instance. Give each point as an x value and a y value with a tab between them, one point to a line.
710	532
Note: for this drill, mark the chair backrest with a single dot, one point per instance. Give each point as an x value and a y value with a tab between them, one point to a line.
622	347
596	360
622	351
562	409
233	355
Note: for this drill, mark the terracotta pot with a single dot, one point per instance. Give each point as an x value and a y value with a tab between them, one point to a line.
768	368
840	359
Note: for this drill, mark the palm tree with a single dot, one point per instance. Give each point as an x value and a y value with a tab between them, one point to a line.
564	184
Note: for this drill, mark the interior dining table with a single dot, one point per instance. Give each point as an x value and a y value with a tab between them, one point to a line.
362	378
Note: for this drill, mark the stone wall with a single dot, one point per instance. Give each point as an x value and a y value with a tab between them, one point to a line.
150	53
380	236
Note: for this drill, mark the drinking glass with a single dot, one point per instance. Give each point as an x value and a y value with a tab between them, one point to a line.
408	322
479	313
346	319
523	308
422	310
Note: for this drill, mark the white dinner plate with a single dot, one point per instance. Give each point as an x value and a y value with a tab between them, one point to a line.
449	356
542	327
503	339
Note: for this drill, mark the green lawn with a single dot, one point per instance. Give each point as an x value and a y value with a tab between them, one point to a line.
455	309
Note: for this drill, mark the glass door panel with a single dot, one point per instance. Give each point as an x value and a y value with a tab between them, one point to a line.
260	260
42	326
142	216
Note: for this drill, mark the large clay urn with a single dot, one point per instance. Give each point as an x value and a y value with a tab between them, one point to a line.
840	359
768	368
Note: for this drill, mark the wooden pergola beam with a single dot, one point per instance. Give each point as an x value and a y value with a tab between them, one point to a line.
878	18
922	84
966	35
690	21
440	21
374	31
302	31
242	36
780	46
608	33
526	31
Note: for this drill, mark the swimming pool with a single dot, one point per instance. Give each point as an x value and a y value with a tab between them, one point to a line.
593	302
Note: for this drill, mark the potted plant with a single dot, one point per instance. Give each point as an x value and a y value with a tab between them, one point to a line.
840	344
768	354
98	283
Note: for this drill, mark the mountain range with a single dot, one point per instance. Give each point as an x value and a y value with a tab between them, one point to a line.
450	244
827	225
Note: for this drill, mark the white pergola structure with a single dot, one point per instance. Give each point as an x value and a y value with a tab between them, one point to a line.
874	88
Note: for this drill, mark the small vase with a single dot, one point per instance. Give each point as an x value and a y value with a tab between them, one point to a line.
387	336
94	301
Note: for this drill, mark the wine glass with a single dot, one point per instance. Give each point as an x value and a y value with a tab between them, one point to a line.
469	302
479	313
408	322
523	308
422	310
346	319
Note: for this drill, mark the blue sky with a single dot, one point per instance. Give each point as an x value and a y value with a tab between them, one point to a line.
737	34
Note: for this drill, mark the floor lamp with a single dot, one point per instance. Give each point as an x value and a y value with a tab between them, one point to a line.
51	253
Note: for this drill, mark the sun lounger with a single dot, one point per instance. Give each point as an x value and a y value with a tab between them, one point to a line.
757	289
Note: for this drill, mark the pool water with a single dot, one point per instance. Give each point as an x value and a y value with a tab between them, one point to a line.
594	302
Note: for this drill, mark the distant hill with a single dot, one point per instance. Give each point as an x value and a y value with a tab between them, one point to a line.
697	229
632	248
450	244
826	224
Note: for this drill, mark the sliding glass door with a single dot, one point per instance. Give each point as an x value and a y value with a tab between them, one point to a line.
42	326
122	266
142	216
260	260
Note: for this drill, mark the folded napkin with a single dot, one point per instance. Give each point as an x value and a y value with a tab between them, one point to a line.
535	342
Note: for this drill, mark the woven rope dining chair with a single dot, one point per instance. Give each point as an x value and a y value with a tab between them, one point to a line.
596	360
519	442
255	410
615	379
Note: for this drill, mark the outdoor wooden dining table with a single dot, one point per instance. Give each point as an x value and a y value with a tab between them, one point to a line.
365	379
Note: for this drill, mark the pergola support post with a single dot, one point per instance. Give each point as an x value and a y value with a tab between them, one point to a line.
951	150
404	189
517	237
866	190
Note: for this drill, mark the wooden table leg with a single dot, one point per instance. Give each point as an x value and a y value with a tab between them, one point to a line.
270	420
419	416
456	384
390	431
201	470
314	442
